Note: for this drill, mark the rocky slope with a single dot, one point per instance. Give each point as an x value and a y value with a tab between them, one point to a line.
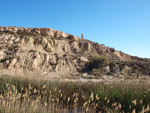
49	53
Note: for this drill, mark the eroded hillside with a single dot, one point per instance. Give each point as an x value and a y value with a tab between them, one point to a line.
49	53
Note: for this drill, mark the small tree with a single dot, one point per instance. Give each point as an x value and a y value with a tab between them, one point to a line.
98	61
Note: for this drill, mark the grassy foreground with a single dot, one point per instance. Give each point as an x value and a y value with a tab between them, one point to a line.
19	95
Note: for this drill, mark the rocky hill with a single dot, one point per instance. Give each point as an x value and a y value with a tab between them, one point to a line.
45	52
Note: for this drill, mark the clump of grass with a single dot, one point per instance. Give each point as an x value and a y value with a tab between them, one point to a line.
24	95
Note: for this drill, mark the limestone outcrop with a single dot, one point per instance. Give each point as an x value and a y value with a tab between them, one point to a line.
37	31
45	52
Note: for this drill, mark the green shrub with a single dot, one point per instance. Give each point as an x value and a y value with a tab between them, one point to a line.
98	61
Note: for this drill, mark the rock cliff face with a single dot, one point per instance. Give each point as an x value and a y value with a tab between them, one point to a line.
49	53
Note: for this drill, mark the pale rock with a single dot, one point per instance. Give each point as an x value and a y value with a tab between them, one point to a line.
66	48
1	54
29	43
44	41
84	59
52	60
59	34
13	62
117	53
48	48
75	46
1	28
34	65
106	68
85	75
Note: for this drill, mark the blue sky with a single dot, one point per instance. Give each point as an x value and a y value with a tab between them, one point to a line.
122	24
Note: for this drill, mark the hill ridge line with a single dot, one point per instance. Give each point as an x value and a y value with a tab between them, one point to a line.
38	31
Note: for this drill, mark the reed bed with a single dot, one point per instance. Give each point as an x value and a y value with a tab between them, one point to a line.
20	95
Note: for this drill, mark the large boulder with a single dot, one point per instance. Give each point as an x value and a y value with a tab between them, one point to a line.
59	34
87	46
48	48
47	32
124	69
36	31
72	37
106	68
114	68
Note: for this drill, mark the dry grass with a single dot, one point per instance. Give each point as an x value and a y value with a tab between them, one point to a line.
19	95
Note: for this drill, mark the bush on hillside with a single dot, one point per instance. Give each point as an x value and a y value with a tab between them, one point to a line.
98	61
